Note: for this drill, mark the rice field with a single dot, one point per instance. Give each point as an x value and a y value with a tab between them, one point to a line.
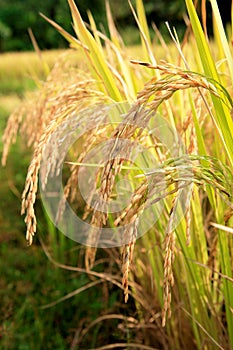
149	173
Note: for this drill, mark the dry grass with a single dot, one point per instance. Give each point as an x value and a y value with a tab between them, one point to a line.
16	65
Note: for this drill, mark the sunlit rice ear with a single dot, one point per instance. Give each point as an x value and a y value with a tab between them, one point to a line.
194	99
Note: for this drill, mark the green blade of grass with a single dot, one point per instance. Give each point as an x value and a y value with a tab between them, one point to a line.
140	19
75	43
222	36
225	260
222	113
96	55
94	29
201	148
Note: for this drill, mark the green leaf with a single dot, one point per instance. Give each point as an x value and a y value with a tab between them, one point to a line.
96	55
221	112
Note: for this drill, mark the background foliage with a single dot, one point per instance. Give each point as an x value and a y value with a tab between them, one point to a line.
17	16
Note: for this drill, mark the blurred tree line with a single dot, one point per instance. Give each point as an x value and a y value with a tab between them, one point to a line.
19	15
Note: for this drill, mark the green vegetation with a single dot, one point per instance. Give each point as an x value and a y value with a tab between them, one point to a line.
28	279
178	277
17	16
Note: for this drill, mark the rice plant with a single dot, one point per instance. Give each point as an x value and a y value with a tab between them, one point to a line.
179	272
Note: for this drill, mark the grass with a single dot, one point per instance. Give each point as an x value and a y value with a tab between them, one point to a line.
24	324
188	263
28	279
16	74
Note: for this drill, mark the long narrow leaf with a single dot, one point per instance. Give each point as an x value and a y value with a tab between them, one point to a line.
96	54
222	113
222	36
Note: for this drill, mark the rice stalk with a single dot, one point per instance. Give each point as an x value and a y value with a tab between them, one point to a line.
199	107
